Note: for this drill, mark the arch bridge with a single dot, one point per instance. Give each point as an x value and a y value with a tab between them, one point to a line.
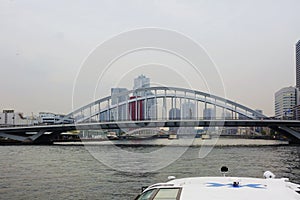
155	107
162	103
172	103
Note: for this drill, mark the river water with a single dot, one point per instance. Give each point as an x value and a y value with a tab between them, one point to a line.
71	172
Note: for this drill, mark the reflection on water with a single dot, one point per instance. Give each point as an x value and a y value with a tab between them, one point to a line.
70	172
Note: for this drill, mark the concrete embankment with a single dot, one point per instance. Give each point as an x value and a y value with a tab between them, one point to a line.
194	142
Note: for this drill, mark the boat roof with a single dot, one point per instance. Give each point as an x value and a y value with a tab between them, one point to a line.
227	188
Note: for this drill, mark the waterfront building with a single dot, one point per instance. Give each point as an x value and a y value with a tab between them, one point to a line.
51	118
258	129
104	116
285	102
174	114
188	110
12	118
209	113
225	115
141	82
297	64
149	111
229	130
119	96
296	109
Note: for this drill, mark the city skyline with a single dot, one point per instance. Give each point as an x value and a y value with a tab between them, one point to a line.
44	44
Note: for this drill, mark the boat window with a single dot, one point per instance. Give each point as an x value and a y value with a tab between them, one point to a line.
147	195
167	194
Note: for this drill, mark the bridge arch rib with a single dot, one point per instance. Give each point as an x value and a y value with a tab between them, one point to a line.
155	103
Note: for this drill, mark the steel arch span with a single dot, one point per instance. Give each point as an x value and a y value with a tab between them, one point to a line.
167	103
161	103
141	111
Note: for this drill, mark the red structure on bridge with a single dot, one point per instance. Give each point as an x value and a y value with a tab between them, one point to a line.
136	110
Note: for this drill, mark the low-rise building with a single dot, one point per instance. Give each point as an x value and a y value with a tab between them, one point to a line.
12	118
51	118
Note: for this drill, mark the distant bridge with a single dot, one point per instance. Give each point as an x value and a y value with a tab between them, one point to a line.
155	107
155	102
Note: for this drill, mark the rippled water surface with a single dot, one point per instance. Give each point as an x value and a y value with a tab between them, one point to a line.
70	172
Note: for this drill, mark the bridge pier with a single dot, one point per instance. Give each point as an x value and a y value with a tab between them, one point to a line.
44	140
40	138
291	134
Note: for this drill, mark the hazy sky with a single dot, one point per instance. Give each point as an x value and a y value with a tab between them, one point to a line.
44	43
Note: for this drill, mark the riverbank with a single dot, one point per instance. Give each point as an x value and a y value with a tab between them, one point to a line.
195	142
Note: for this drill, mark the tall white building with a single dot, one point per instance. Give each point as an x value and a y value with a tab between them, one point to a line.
141	82
285	101
118	97
144	82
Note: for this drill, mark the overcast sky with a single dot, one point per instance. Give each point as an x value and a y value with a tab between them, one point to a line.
44	43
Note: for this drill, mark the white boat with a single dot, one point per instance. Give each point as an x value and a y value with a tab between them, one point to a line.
223	188
112	136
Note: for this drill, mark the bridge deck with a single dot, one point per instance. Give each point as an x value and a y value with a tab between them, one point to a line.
154	123
46	132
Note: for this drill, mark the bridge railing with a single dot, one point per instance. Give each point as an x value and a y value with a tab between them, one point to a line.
158	103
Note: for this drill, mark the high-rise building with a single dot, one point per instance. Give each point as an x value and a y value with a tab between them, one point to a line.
174	114
285	101
150	109
298	64
258	129
297	55
118	97
141	82
226	115
209	113
188	110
